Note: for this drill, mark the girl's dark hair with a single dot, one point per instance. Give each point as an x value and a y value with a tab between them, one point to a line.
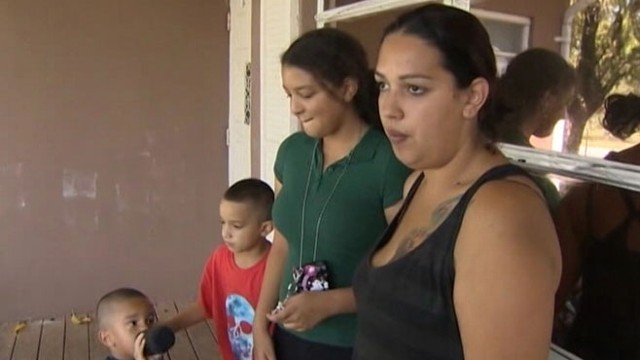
463	43
332	56
622	115
528	77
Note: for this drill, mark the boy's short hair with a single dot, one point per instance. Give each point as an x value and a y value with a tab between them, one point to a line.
104	308
255	191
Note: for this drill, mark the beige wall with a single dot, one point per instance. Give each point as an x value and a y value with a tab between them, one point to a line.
112	150
546	18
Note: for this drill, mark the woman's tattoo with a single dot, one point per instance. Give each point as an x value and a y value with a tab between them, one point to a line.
443	210
416	236
413	239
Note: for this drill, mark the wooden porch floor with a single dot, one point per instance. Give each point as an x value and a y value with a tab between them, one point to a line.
60	339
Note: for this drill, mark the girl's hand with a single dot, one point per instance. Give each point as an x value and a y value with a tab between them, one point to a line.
302	311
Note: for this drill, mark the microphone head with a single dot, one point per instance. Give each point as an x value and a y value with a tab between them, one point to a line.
158	340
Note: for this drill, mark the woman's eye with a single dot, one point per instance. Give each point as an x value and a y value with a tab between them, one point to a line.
415	90
382	86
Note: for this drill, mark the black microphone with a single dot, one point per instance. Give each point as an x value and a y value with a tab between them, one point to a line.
158	340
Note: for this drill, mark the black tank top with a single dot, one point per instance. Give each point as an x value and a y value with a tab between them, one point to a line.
405	308
607	324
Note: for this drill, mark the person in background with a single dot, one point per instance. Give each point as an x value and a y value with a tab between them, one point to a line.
469	267
533	94
338	183
599	231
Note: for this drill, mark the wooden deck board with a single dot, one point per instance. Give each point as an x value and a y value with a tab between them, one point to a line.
212	328
7	339
52	339
182	350
28	342
204	344
76	344
60	339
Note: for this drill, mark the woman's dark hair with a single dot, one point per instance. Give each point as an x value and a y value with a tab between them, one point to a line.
622	115
463	43
528	78
332	56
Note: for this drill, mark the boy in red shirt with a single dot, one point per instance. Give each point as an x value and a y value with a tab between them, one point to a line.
232	277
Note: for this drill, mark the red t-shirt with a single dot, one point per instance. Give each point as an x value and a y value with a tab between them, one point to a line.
229	295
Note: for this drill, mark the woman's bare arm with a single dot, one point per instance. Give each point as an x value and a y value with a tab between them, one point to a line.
263	346
507	263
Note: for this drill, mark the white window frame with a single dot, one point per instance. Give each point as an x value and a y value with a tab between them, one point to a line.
523	22
279	26
238	135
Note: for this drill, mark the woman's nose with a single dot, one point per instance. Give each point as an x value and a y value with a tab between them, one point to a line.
295	106
389	106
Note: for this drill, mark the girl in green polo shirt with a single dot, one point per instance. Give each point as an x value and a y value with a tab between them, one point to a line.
338	184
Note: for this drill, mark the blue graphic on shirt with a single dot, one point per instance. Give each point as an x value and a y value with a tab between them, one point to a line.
240	315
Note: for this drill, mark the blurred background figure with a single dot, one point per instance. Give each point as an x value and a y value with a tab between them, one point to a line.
599	232
533	94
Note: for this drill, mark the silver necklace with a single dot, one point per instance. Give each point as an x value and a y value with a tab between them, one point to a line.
324	206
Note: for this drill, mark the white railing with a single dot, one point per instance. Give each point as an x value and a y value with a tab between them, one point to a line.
558	353
575	166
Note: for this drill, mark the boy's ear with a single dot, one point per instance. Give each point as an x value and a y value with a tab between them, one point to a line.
266	228
105	338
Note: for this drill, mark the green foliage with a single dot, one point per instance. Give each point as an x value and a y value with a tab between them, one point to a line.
606	52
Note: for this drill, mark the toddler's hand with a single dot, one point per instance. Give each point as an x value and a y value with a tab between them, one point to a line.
138	347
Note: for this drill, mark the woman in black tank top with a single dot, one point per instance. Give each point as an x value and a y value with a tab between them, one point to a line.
469	266
599	229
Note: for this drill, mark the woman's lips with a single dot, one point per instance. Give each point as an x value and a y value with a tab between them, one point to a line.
396	137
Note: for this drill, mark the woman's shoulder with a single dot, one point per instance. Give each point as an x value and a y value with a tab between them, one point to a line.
510	213
298	138
513	207
517	191
295	143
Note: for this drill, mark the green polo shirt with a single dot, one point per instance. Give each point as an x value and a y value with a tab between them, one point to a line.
370	181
